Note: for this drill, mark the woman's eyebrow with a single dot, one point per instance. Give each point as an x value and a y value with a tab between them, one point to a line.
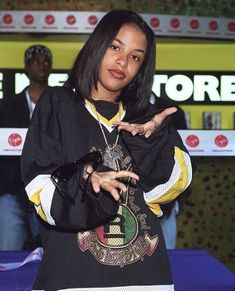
138	50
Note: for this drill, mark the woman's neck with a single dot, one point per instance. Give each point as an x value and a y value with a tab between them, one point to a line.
105	96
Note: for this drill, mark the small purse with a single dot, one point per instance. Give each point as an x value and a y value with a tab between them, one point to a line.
77	205
68	171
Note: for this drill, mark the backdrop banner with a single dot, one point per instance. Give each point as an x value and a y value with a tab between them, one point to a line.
84	22
198	142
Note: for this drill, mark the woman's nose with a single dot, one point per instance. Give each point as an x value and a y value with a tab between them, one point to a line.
122	61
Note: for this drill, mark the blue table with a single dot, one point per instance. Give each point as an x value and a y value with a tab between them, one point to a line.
193	270
197	270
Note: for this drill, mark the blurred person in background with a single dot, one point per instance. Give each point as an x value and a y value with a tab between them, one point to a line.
18	222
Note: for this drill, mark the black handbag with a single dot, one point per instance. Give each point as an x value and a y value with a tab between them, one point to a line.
76	204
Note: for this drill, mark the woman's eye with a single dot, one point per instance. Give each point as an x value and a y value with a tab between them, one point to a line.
136	58
114	47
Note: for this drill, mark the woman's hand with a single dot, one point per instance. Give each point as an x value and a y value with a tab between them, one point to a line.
108	181
147	128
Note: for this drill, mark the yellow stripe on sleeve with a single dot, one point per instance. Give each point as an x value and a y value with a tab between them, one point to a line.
179	180
35	198
41	191
41	213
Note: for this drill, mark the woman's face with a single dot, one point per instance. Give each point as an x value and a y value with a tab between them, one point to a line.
121	62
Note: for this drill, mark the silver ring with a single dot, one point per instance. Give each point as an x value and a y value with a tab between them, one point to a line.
142	133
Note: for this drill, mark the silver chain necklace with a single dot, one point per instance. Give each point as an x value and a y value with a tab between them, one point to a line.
110	149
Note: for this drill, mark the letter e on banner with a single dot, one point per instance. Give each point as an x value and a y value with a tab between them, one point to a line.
227	88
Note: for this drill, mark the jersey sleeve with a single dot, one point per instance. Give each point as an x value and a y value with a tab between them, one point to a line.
162	163
44	150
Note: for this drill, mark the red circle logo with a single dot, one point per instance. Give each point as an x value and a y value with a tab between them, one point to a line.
154	22
192	141
194	24
213	25
71	19
14	139
50	19
231	26
28	19
221	141
7	18
175	23
92	20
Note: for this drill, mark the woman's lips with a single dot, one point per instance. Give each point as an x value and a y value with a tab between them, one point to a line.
117	74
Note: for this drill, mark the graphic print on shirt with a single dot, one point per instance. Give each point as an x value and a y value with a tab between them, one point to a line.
125	239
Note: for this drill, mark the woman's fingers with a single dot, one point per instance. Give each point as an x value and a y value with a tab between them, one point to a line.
109	182
132	128
87	171
159	117
114	188
94	180
129	127
147	128
126	174
139	129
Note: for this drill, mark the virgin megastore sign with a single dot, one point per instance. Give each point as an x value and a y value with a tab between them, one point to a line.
12	141
202	87
209	142
198	142
84	22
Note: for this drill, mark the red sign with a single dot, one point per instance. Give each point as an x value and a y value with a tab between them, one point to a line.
28	19
194	23
192	141
14	139
154	22
213	25
221	141
50	19
231	26
175	23
92	20
71	19
7	18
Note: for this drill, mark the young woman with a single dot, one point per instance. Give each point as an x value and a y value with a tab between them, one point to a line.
98	161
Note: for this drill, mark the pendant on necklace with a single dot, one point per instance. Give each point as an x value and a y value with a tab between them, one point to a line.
111	157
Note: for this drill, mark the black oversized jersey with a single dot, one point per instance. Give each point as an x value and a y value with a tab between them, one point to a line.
86	247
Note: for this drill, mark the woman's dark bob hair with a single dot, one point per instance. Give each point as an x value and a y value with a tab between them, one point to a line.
84	74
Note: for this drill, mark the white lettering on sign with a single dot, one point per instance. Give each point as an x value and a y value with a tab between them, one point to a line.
181	87
227	91
22	81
